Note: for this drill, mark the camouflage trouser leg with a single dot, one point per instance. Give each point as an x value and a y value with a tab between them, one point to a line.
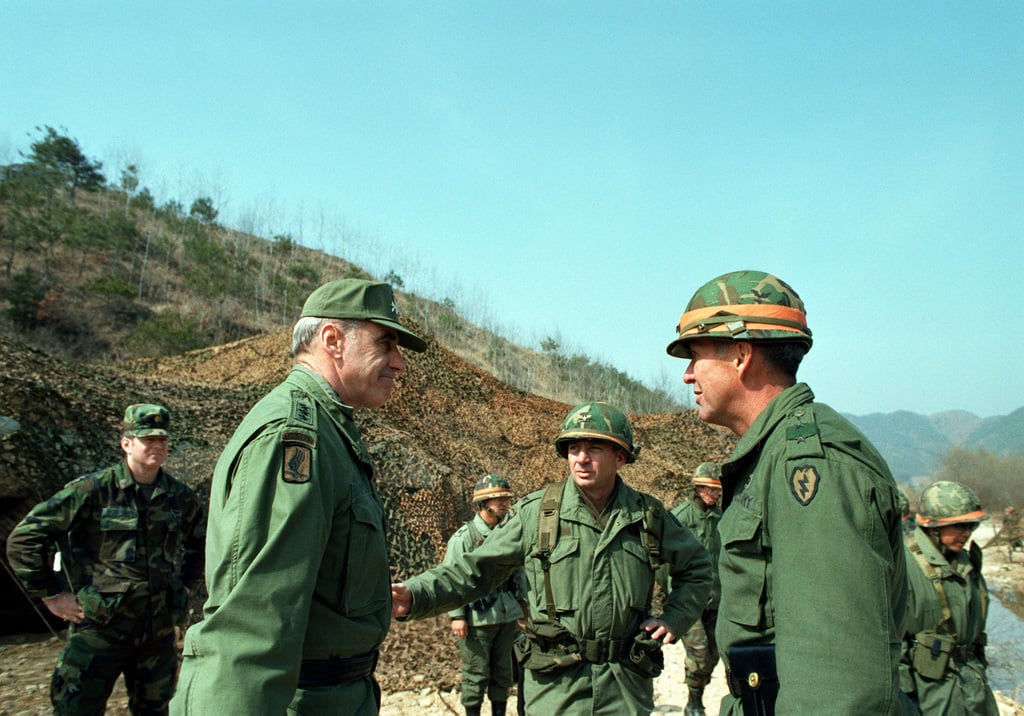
487	663
91	661
701	650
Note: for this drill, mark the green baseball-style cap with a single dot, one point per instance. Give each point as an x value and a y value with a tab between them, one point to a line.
144	419
362	300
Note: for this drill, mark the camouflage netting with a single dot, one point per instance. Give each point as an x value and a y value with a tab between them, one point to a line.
446	425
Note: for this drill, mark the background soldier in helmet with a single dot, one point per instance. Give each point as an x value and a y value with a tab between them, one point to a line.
132	547
487	627
591	546
700	514
943	667
812	564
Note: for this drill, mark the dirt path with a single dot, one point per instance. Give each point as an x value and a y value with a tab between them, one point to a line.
670	694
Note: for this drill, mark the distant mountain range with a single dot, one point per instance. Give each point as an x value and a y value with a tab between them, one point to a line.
914	445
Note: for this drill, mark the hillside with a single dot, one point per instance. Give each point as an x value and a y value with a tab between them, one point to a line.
446	424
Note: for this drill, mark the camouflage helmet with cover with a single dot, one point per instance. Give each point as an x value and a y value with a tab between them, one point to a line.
597	421
490	486
742	306
947	503
903	502
708	474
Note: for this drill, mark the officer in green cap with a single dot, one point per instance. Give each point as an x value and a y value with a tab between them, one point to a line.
812	565
131	547
297	562
487	627
591	546
944	666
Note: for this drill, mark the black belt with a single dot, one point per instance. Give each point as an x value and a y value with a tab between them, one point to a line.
332	672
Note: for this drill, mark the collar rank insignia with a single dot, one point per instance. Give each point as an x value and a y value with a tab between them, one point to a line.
297	465
803	483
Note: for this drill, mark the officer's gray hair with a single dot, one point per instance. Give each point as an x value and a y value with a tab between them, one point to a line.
308	328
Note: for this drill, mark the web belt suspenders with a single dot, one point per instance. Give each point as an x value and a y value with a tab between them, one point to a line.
933	576
547	536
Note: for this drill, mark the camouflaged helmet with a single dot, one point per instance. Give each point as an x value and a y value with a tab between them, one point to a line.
489	487
904	503
742	306
597	421
948	503
708	474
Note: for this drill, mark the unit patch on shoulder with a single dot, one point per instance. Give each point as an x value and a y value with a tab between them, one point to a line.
297	467
803	483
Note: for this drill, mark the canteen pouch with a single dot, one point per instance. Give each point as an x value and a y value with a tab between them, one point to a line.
547	648
645	656
753	678
931	653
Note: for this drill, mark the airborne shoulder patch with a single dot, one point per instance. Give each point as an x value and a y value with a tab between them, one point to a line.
297	466
803	483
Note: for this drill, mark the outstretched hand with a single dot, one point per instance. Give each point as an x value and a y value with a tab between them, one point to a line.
401	600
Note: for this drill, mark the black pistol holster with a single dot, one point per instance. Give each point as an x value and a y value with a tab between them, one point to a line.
753	678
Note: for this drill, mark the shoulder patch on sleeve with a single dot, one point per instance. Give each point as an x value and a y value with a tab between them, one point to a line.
297	466
803	483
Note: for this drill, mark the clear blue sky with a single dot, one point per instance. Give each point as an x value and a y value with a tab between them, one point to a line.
577	169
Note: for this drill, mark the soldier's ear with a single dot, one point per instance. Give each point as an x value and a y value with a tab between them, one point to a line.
333	339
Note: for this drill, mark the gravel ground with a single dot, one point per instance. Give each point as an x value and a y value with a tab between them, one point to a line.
670	694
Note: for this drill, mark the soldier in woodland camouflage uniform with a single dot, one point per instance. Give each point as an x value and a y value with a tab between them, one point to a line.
812	566
131	541
487	627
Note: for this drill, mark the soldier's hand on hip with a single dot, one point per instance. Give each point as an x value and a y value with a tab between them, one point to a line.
460	628
658	630
65	605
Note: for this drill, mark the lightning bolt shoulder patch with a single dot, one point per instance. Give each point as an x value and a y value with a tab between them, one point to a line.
803	483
